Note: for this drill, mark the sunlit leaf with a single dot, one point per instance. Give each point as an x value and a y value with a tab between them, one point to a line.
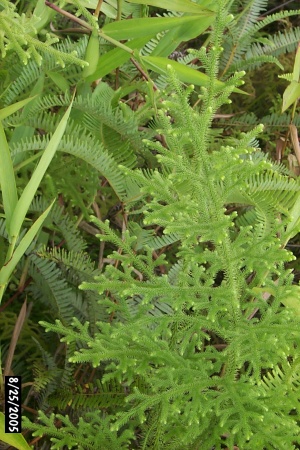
150	26
184	73
178	5
30	189
8	268
296	70
7	178
290	95
292	299
15	440
185	32
11	109
115	58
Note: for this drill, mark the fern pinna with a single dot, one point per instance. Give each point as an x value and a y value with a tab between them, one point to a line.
206	350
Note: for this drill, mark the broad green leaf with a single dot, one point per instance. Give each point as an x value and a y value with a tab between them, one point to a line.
106	9
7	179
115	58
26	198
296	71
8	268
262	290
184	32
177	5
11	109
150	26
293	226
290	95
292	299
42	15
109	7
15	440
184	73
91	55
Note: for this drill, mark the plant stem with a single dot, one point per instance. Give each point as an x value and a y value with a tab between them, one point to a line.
70	16
98	8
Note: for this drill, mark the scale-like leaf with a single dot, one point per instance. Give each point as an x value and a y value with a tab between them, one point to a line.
11	109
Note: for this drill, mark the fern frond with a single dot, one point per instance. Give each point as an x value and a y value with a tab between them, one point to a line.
274	17
65	225
47	376
288	376
281	42
249	15
3	230
274	120
191	331
279	120
28	76
51	288
146	238
252	62
238	44
76	267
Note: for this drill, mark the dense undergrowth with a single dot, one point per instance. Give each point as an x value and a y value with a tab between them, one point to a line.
149	163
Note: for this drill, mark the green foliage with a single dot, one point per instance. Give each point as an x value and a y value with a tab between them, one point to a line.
245	47
18	32
202	344
90	432
175	305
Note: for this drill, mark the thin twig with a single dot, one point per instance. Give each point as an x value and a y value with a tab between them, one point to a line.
70	16
98	8
145	75
68	30
276	7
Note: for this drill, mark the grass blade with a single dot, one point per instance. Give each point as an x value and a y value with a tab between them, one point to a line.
115	58
11	109
137	28
184	73
28	194
183	33
8	268
15	440
7	179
